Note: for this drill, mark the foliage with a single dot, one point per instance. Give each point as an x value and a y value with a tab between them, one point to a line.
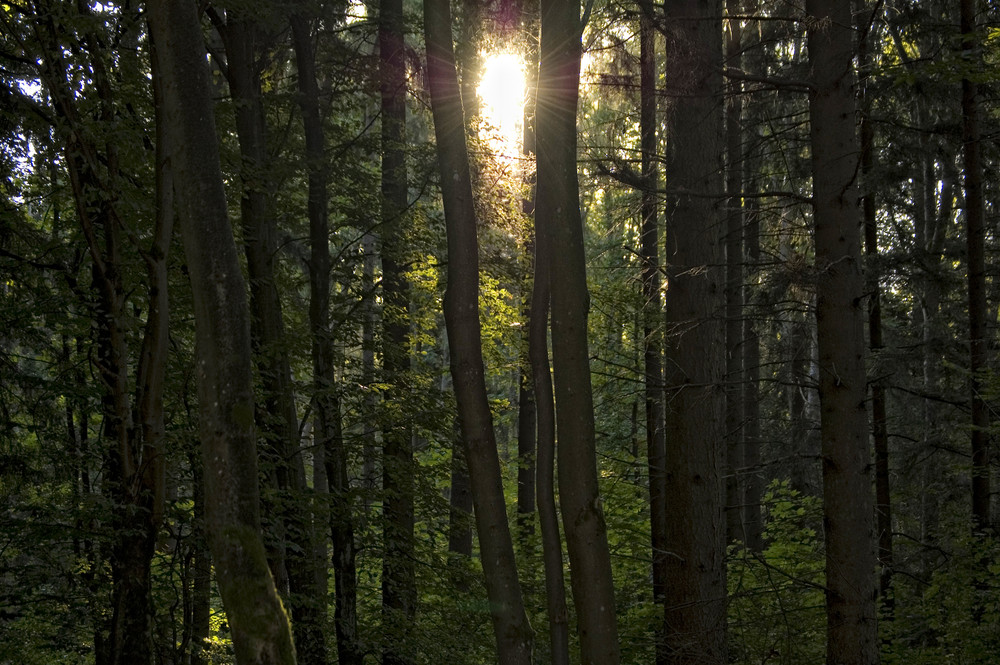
777	602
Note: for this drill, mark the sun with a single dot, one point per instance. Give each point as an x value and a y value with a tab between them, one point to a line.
501	92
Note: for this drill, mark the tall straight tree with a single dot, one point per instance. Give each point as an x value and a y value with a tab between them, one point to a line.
847	492
652	330
695	615
260	628
880	430
461	308
245	42
734	278
399	591
975	239
328	436
557	214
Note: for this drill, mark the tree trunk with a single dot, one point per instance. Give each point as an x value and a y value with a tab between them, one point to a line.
510	623
557	216
753	490
399	592
278	421
847	491
325	398
880	432
652	312
734	281
260	627
695	614
133	428
975	239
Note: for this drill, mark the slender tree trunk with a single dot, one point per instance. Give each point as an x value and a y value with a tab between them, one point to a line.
526	449
557	216
260	627
541	386
528	410
734	281
695	306
278	421
753	479
328	436
133	427
847	491
880	432
548	517
975	239
652	312
510	623
399	592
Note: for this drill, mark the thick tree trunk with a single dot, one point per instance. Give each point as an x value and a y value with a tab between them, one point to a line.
327	404
975	239
695	306
847	492
510	623
260	627
557	215
399	591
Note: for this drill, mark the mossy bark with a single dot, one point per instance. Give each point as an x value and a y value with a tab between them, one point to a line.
260	627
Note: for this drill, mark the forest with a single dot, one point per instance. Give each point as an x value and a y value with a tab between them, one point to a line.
499	331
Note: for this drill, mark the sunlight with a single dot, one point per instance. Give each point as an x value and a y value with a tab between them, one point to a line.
501	91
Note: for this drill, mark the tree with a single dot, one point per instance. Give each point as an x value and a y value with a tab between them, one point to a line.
329	435
510	623
399	593
557	214
261	630
975	225
695	628
847	492
652	284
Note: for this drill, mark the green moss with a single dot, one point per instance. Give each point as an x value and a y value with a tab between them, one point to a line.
262	633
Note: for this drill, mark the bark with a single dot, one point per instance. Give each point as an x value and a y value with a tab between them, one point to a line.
753	479
510	623
975	239
695	617
548	517
526	446
260	627
278	421
656	447
557	215
133	425
528	411
328	437
847	492
880	432
399	593
461	504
